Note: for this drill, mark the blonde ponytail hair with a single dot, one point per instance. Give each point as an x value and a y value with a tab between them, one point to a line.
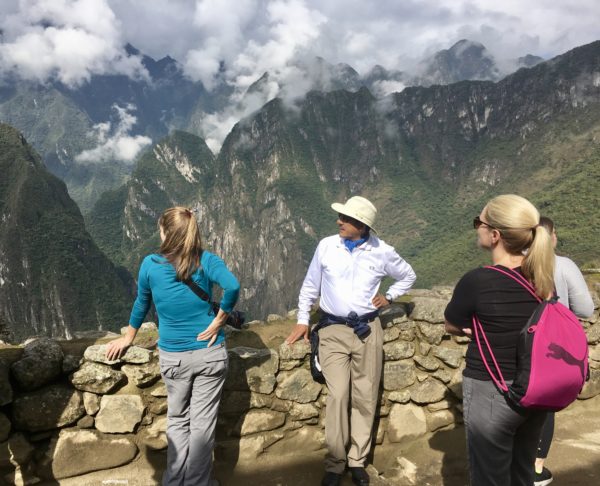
182	246
518	220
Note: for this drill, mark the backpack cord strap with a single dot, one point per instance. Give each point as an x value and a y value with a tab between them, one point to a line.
499	382
517	277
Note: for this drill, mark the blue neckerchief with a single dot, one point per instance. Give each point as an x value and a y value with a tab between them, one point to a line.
351	244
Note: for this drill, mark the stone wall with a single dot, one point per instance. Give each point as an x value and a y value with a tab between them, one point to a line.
66	410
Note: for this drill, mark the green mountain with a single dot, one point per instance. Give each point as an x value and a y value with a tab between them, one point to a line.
58	120
59	130
54	280
429	158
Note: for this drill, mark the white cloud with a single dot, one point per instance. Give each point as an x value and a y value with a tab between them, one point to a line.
67	40
251	36
224	26
290	28
359	43
216	126
386	87
241	41
114	142
238	40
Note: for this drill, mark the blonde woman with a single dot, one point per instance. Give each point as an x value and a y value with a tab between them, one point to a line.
193	358
501	440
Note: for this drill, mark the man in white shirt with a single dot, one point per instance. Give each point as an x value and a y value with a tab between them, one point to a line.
345	272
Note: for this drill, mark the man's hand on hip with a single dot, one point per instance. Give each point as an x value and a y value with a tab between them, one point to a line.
380	301
299	331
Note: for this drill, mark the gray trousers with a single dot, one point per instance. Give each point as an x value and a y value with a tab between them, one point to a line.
194	380
501	442
352	370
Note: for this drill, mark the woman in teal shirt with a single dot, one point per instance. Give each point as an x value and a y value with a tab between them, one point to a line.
192	354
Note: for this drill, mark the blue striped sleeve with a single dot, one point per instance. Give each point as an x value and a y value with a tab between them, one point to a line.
217	272
141	306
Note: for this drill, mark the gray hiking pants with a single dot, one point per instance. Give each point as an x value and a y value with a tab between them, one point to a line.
194	380
501	442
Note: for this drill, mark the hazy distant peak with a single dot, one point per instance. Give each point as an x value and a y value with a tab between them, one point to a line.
131	50
466	59
259	84
377	70
529	60
467	46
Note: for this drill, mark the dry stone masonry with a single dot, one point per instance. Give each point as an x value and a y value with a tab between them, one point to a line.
66	413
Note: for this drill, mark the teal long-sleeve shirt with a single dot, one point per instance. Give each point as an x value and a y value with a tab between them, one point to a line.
182	315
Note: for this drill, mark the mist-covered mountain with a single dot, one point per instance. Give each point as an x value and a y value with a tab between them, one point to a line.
529	61
62	121
102	117
54	280
464	60
162	102
428	157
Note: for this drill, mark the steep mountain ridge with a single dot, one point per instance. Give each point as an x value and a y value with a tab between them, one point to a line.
53	279
428	157
57	119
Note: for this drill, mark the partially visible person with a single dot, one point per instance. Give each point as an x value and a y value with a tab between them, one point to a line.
191	342
501	440
345	272
573	293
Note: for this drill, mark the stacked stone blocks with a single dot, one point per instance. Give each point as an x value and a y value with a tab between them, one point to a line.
63	415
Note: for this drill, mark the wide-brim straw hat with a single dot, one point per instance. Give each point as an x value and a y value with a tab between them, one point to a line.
359	208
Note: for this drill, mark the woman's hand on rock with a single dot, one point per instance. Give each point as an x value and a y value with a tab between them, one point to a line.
117	348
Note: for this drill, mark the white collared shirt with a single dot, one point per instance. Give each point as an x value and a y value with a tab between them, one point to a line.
348	281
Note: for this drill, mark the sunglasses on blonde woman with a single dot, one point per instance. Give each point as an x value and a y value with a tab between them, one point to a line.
477	223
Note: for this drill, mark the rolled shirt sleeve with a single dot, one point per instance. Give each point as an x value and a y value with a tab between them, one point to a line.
403	274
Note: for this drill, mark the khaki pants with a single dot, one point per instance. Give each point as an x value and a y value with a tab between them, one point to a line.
352	370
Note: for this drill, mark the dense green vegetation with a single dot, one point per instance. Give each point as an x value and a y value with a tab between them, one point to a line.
156	185
559	173
428	187
59	130
429	158
55	281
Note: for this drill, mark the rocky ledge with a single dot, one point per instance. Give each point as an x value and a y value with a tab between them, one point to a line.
66	411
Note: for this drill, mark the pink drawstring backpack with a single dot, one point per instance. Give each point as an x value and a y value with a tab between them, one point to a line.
552	355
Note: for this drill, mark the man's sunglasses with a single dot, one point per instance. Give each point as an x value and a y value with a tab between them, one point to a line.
347	219
477	223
